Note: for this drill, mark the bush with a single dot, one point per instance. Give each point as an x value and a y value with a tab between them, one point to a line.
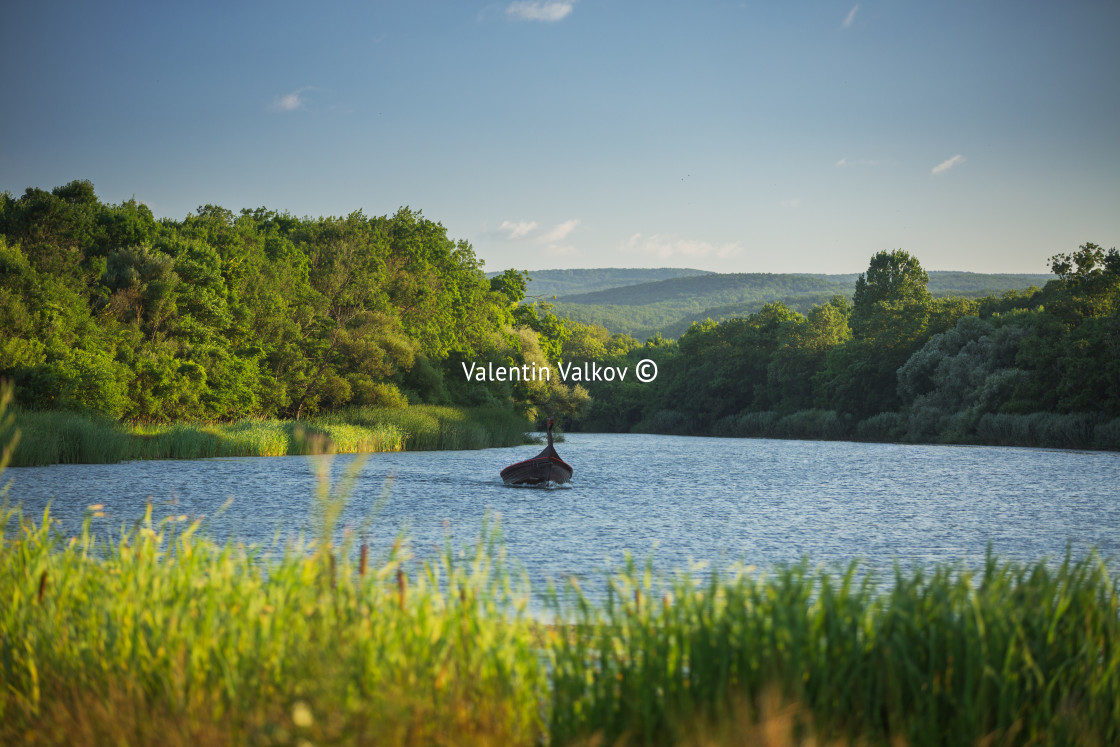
1107	435
746	424
811	424
1044	429
668	421
886	426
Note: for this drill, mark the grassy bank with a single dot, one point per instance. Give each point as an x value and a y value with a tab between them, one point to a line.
1037	429
59	437
162	636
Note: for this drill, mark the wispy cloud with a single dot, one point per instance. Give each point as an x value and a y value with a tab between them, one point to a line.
944	166
850	17
530	229
793	203
534	10
289	102
664	247
517	230
856	162
560	230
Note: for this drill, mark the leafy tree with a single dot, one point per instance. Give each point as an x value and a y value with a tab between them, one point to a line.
894	285
789	375
1090	367
142	283
960	375
55	228
890	319
513	284
552	331
1089	283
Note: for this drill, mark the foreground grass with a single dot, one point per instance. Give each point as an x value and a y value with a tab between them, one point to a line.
59	437
160	635
1010	654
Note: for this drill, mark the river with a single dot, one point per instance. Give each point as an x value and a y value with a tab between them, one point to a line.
755	501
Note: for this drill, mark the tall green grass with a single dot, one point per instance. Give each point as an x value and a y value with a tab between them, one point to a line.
1009	654
435	428
161	636
58	437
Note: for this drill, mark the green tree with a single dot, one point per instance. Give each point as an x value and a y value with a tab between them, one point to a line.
142	284
1089	283
894	284
801	355
891	313
513	284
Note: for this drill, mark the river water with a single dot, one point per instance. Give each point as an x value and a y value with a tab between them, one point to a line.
679	499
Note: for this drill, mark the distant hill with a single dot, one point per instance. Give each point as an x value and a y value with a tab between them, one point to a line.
669	306
710	290
978	285
548	283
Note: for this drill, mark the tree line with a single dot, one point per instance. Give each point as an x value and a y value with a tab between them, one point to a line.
222	316
1033	367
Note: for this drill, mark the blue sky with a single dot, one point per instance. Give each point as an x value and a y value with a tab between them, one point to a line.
728	136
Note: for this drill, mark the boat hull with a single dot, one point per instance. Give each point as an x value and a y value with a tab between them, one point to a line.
538	471
546	467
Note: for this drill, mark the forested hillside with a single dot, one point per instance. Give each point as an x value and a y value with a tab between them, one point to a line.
709	290
224	315
669	307
548	283
1033	367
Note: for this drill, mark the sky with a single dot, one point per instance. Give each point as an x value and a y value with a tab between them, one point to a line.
981	136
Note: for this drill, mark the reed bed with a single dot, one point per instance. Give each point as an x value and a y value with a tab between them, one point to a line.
161	636
1008	654
437	428
58	437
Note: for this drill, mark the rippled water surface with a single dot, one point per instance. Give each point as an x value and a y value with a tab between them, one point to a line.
683	499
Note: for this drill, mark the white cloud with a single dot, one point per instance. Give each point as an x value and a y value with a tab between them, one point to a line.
795	202
534	10
529	229
664	247
856	162
518	230
560	230
850	17
944	166
289	102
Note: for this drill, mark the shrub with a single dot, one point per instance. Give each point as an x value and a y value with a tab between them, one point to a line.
886	426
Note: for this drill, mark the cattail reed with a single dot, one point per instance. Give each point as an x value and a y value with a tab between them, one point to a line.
59	437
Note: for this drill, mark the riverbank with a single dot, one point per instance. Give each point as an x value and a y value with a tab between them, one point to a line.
60	437
1082	431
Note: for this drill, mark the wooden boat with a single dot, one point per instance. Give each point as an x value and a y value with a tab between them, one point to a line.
542	469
